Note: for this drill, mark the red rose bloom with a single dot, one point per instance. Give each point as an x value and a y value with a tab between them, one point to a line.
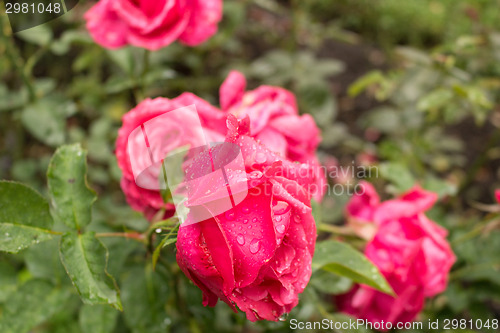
256	256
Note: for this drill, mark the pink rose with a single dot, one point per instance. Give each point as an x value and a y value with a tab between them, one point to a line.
256	256
153	24
497	195
409	249
365	212
275	121
171	136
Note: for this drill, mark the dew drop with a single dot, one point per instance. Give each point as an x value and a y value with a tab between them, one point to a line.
254	220
229	215
245	210
278	218
245	221
240	239
255	175
297	218
280	228
255	246
260	158
280	208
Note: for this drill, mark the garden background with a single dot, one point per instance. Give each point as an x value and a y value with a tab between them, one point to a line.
411	87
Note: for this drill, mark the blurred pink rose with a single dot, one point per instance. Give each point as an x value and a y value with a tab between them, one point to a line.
256	256
275	121
153	24
150	201
497	195
367	210
409	249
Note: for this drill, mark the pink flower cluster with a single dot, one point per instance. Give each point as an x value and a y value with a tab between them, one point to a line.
409	249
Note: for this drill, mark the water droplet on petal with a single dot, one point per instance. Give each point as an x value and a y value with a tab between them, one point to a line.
280	228
254	220
280	207
229	215
245	210
260	158
278	218
255	175
255	246
240	239
297	218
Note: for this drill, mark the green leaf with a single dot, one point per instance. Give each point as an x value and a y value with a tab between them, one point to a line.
46	119
144	296
361	84
124	58
17	237
119	249
85	259
97	319
12	99
342	259
39	35
62	45
384	119
8	281
43	262
318	100
442	187
435	100
328	283
343	318
33	303
71	197
397	174
24	217
316	211
170	238
20	204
